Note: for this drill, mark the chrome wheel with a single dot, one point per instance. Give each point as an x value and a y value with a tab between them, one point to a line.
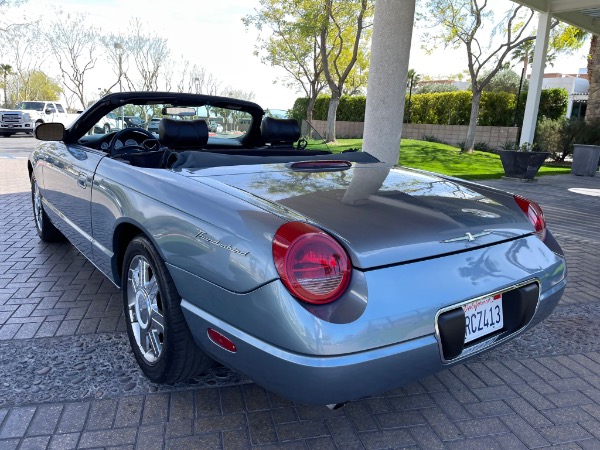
145	309
37	206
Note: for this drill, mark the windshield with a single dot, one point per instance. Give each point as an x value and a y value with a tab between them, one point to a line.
222	123
36	106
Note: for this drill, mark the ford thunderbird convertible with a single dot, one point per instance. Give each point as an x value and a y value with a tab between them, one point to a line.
324	277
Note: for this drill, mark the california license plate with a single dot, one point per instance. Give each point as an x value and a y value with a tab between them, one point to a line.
483	316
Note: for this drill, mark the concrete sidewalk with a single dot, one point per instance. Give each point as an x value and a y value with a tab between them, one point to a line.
69	380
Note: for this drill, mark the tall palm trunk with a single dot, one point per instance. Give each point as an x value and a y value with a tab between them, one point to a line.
593	106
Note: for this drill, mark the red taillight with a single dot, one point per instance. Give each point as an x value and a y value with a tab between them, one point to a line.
311	264
535	215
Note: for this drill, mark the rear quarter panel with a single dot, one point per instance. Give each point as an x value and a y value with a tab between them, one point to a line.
194	227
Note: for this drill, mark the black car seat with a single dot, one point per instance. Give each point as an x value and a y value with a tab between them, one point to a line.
183	134
180	135
279	132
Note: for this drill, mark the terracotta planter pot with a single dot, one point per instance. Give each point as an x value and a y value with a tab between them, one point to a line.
523	165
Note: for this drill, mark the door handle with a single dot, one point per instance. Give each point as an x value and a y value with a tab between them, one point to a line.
82	181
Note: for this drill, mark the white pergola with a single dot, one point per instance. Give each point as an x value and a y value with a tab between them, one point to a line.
390	51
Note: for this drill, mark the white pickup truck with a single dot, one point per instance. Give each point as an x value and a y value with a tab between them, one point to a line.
30	114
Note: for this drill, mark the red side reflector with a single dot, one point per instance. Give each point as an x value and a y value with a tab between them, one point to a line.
221	340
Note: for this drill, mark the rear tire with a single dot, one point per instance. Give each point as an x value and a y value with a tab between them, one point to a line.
158	333
43	226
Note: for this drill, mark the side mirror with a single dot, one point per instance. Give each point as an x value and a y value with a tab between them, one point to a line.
52	131
48	111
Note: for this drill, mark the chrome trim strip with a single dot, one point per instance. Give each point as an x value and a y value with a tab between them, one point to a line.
494	339
102	248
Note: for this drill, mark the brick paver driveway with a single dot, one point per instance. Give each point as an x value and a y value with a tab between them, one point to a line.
68	379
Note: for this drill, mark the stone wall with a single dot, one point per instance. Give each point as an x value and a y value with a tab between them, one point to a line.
451	134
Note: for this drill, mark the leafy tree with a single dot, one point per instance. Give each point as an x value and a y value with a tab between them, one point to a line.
150	55
431	88
413	78
343	27
27	53
115	55
5	72
36	85
6	25
525	53
75	48
289	32
412	82
558	136
465	22
236	115
506	80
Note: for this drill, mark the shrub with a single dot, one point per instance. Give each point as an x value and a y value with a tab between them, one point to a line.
497	109
509	145
558	136
298	111
548	136
483	147
445	108
432	138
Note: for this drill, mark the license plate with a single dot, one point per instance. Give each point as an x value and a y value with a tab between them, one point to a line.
483	316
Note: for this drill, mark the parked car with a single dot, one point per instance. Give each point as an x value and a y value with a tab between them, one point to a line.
324	277
153	124
134	121
215	127
110	122
29	114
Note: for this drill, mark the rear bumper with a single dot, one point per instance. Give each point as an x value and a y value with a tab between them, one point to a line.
334	379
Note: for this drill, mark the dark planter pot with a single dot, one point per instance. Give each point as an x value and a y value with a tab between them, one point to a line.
524	165
585	160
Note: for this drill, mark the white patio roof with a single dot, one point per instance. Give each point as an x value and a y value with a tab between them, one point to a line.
584	14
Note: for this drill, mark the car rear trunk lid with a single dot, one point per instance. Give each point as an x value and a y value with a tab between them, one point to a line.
383	216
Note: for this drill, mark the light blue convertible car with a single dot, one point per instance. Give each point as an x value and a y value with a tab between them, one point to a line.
324	277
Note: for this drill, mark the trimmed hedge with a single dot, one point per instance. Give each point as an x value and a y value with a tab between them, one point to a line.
446	108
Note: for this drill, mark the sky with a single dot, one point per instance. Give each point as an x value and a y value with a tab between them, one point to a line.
212	35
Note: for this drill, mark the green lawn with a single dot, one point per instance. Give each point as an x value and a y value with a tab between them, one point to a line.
445	159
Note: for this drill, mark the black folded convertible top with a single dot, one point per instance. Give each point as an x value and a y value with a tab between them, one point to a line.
203	160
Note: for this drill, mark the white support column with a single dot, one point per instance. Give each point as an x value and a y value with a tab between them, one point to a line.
537	76
390	50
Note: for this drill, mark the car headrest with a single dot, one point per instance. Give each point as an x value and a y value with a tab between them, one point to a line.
182	134
279	132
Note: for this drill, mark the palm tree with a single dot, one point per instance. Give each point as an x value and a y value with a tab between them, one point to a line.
5	71
593	106
412	80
